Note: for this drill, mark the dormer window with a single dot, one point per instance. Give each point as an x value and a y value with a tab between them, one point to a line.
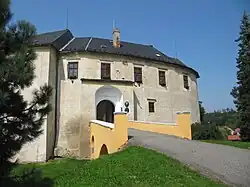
72	70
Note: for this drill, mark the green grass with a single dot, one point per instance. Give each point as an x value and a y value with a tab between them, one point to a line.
133	167
239	144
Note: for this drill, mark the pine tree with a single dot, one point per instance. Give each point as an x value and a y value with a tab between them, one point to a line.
241	92
20	120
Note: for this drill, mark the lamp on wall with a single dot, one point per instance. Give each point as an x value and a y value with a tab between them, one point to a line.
126	106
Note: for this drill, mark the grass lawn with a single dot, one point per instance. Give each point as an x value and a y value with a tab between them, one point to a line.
133	167
239	144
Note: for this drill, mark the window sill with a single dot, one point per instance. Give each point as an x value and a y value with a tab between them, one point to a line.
186	90
107	80
72	78
163	86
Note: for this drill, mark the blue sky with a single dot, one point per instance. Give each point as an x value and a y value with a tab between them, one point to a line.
201	33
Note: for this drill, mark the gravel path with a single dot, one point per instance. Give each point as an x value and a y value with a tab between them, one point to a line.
228	164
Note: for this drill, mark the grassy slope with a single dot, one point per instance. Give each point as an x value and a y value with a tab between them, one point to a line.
239	144
134	166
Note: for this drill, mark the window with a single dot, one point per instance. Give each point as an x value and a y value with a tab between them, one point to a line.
105	71
72	70
185	82
162	78
151	106
138	74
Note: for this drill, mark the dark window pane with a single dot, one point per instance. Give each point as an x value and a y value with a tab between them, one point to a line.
71	65
162	78
105	71
138	74
185	81
73	70
151	107
75	65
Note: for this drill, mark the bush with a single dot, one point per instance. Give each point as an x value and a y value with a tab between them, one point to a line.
26	177
206	131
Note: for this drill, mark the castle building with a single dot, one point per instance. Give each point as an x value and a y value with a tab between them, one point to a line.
94	77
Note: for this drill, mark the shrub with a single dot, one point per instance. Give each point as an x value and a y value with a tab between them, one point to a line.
206	131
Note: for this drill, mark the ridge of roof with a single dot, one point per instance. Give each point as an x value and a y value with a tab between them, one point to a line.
56	38
51	32
99	38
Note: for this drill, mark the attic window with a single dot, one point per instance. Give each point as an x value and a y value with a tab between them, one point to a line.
157	54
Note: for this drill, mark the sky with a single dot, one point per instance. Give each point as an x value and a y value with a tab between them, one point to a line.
201	33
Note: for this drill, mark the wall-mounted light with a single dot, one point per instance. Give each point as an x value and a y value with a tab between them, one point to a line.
126	106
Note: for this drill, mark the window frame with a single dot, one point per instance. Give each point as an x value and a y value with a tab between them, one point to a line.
72	68
162	82
151	106
185	81
138	74
105	71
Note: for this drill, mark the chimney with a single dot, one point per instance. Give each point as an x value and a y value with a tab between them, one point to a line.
116	38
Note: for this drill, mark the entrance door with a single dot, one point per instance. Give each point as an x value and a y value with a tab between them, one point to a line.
105	111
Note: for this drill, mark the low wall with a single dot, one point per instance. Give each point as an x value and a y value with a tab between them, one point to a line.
106	138
182	127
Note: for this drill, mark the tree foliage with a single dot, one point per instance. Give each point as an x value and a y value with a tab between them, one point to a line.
202	111
225	117
20	120
241	92
206	131
212	126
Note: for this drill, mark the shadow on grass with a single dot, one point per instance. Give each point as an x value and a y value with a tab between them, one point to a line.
27	178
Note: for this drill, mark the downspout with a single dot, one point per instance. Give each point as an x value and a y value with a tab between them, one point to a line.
56	106
57	103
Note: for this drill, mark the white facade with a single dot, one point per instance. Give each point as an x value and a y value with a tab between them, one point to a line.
76	100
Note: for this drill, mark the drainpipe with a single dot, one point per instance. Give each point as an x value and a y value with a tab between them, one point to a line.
56	107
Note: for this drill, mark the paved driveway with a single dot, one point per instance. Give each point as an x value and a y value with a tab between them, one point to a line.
229	164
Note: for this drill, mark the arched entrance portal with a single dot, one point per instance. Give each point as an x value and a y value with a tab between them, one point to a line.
105	111
108	100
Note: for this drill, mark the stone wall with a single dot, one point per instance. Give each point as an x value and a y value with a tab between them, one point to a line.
36	151
169	99
77	105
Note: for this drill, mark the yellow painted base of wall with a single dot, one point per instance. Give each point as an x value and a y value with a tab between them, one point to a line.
182	128
106	140
112	139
